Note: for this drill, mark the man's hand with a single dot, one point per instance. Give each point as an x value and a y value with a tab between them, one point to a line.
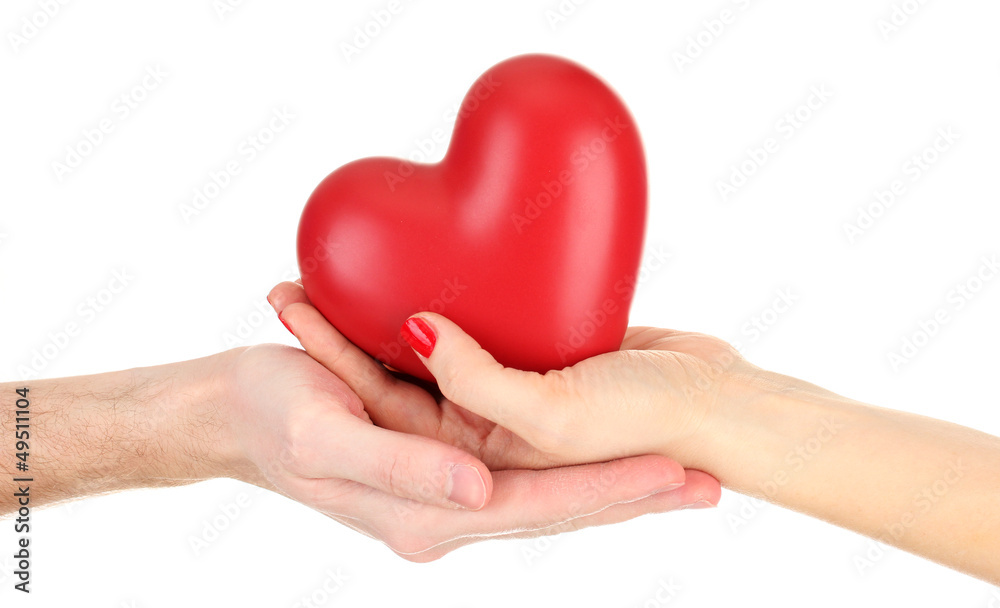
272	416
311	438
306	435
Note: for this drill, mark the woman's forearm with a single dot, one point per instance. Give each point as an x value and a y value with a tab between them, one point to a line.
926	486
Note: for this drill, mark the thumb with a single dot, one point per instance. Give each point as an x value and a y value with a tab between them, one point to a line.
470	377
409	466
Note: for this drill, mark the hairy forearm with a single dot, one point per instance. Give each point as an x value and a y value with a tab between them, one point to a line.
927	486
144	427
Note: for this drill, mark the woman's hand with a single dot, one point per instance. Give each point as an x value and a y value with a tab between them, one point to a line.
654	395
924	485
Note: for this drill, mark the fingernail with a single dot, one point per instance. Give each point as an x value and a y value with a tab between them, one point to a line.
283	322
701	504
272	302
467	487
419	335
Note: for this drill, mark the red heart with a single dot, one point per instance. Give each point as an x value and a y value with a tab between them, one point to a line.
528	234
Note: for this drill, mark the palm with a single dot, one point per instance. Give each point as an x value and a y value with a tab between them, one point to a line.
496	446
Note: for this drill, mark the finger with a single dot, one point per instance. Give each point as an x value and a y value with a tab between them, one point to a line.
356	506
531	500
700	490
524	503
525	500
285	293
366	376
408	466
390	402
472	378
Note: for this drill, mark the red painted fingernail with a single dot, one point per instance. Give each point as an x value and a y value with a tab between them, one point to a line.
283	322
420	335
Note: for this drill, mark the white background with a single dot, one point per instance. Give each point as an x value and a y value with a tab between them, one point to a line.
195	282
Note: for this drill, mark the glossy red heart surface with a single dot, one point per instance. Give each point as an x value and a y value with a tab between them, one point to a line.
528	233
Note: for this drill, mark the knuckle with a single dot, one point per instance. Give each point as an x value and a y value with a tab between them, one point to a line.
450	383
388	472
552	435
455	378
396	474
551	424
352	403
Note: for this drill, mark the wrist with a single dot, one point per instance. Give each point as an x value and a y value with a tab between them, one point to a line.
762	427
188	420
